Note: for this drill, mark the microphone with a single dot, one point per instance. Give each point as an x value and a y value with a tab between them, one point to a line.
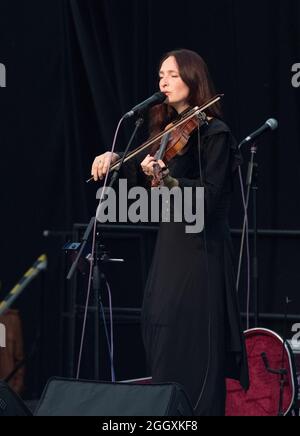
269	124
157	98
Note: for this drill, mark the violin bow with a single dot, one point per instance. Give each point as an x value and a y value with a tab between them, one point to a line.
191	114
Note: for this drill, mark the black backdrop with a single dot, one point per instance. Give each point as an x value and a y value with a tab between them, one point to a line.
74	66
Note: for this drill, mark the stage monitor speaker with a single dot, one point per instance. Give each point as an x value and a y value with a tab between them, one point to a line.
10	403
67	397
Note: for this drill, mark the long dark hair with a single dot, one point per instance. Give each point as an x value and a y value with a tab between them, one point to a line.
194	72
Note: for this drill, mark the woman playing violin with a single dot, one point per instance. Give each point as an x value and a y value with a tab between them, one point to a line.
190	319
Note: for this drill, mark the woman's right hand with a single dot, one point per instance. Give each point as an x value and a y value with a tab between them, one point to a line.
101	165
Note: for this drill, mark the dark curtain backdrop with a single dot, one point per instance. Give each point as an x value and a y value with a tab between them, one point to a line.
75	66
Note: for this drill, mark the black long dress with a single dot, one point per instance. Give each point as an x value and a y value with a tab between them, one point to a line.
190	317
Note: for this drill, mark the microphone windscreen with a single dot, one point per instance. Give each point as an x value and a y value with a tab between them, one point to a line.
272	123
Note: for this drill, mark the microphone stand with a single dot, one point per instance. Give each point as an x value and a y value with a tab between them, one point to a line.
97	304
115	176
252	184
101	257
97	256
283	371
283	375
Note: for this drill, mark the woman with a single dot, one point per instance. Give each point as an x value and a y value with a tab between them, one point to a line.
190	317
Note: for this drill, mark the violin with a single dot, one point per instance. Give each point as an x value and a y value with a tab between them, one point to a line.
174	143
179	131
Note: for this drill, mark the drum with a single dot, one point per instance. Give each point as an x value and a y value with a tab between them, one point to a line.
273	381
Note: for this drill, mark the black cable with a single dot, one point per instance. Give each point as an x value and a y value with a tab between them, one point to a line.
109	345
208	273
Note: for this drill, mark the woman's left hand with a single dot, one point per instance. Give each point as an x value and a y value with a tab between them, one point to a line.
148	164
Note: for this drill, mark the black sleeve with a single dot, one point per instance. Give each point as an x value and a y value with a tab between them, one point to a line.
216	171
132	171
